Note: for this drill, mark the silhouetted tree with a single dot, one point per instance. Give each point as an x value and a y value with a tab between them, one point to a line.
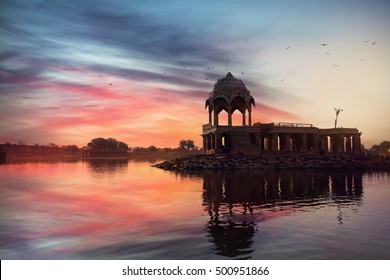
109	143
382	148
52	145
186	145
152	149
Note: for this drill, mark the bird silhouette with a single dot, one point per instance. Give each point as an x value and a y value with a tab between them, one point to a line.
327	52
336	65
373	43
287	47
367	41
242	73
323	44
282	80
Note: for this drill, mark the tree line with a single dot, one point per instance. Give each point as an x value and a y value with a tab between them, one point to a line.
113	144
100	143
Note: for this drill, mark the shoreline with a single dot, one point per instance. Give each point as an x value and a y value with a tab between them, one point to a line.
17	158
239	162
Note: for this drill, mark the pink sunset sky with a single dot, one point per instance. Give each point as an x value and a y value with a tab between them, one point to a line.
140	71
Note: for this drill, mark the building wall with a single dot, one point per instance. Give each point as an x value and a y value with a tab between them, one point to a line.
270	138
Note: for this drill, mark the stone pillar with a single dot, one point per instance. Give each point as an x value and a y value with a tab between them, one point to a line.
356	143
243	118
215	118
348	144
210	120
212	141
333	143
341	143
326	144
208	142
274	142
316	140
288	143
250	117
262	147
304	142
269	142
229	118
217	141
204	144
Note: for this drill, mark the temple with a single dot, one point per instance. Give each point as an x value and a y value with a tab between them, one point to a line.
230	94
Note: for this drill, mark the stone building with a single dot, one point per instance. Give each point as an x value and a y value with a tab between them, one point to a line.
230	94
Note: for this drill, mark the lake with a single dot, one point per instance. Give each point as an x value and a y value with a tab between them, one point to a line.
126	209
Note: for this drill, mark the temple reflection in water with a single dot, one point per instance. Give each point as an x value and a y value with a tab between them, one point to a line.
238	201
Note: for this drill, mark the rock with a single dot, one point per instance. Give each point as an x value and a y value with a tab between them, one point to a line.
269	161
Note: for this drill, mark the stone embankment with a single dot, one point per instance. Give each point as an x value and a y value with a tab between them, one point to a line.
206	162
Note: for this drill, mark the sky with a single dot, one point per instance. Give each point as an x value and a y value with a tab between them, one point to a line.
141	71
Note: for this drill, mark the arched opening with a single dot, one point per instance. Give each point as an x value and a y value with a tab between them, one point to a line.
223	117
236	118
221	103
238	104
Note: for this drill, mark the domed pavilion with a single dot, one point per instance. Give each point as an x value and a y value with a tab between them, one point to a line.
231	95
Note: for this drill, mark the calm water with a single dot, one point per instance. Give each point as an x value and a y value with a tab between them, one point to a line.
129	210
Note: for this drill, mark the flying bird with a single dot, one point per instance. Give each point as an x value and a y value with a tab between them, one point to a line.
373	43
336	65
327	52
287	47
282	80
323	44
242	73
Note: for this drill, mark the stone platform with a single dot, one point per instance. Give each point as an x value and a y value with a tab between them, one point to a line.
226	162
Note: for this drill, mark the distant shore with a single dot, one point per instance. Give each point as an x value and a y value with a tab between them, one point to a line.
239	162
15	158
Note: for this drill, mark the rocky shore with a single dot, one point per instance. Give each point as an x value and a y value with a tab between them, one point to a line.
233	162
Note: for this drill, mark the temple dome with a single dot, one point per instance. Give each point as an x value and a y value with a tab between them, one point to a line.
230	94
229	86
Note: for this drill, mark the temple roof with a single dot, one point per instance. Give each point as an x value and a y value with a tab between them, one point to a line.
229	86
232	92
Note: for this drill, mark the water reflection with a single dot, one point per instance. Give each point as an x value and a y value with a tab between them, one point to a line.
106	168
237	202
119	209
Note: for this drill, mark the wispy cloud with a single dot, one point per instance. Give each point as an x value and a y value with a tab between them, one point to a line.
112	68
